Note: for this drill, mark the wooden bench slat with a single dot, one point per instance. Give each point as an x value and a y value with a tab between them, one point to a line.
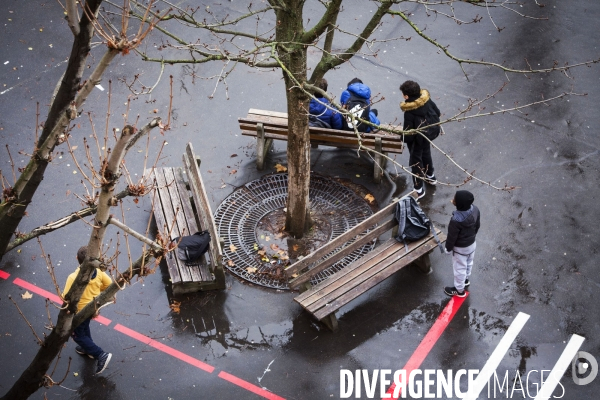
376	218
162	224
384	273
373	234
171	221
358	271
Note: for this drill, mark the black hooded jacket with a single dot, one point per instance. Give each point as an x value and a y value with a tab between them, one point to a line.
462	234
415	109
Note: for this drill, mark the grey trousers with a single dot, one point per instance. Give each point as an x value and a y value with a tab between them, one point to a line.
462	263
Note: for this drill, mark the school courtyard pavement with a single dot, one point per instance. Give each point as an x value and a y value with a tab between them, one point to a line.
534	298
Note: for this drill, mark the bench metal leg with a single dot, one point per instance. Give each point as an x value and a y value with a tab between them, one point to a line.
379	165
262	146
331	322
424	264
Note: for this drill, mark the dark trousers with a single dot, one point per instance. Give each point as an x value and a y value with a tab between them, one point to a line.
83	337
420	160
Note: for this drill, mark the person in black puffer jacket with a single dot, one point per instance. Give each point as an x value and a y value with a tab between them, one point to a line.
460	241
417	105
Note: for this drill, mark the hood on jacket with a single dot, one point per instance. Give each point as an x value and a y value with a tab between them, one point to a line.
316	106
413	105
360	90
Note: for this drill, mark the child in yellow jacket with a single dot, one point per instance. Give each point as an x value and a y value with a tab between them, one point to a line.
82	335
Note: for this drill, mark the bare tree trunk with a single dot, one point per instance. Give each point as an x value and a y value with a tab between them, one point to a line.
35	374
11	212
293	57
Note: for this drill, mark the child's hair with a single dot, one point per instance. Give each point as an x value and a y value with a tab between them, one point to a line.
410	89
81	253
355	80
322	84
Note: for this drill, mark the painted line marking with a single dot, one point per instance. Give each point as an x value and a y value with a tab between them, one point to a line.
53	297
37	290
429	340
4	274
249	386
560	367
164	348
497	355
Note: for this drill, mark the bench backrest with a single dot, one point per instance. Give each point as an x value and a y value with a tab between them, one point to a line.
192	167
342	245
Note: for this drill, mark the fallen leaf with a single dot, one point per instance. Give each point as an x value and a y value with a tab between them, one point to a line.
261	252
280	168
370	198
274	247
265	259
155	110
233	155
267	238
295	276
73	147
175	306
136	200
295	247
251	270
233	171
255	246
18	251
230	263
26	295
75	373
232	248
223	186
358	175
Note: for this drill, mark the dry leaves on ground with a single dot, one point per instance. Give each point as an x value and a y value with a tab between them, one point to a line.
175	306
369	197
251	270
26	295
280	168
230	263
232	248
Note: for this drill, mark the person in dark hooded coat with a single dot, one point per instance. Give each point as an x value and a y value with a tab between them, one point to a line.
460	241
416	106
327	118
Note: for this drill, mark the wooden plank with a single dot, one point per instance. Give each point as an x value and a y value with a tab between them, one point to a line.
344	278
376	218
373	234
204	213
373	280
254	111
172	266
382	248
168	210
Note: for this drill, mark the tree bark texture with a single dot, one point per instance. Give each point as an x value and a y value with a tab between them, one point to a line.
12	212
293	57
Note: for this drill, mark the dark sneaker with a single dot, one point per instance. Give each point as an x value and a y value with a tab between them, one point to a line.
467	283
103	361
452	291
420	192
79	350
431	179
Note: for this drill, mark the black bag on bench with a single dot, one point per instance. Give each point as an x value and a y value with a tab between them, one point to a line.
192	247
413	224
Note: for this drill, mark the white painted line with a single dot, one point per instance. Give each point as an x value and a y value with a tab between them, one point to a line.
560	367
492	363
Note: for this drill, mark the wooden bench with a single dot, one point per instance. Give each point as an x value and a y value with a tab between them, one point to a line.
271	125
328	296
181	208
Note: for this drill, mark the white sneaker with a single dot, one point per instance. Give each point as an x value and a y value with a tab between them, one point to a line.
431	179
420	192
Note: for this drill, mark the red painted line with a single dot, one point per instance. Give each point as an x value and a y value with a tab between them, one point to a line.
4	275
37	290
102	320
248	386
164	348
429	340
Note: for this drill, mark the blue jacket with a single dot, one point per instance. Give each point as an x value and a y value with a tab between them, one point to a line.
363	91
318	109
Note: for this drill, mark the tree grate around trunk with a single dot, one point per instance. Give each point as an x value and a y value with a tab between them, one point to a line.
242	216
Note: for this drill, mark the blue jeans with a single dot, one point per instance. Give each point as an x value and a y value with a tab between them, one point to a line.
83	337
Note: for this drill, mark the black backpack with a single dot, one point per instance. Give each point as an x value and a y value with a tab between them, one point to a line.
432	118
413	224
315	122
359	107
192	247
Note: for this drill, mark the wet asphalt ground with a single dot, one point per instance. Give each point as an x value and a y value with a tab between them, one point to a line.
536	250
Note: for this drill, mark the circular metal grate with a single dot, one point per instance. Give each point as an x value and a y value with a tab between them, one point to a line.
238	216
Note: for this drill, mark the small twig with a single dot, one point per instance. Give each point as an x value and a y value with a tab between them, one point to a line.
12	164
40	341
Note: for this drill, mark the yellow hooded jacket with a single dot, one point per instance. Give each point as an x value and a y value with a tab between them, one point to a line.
93	289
